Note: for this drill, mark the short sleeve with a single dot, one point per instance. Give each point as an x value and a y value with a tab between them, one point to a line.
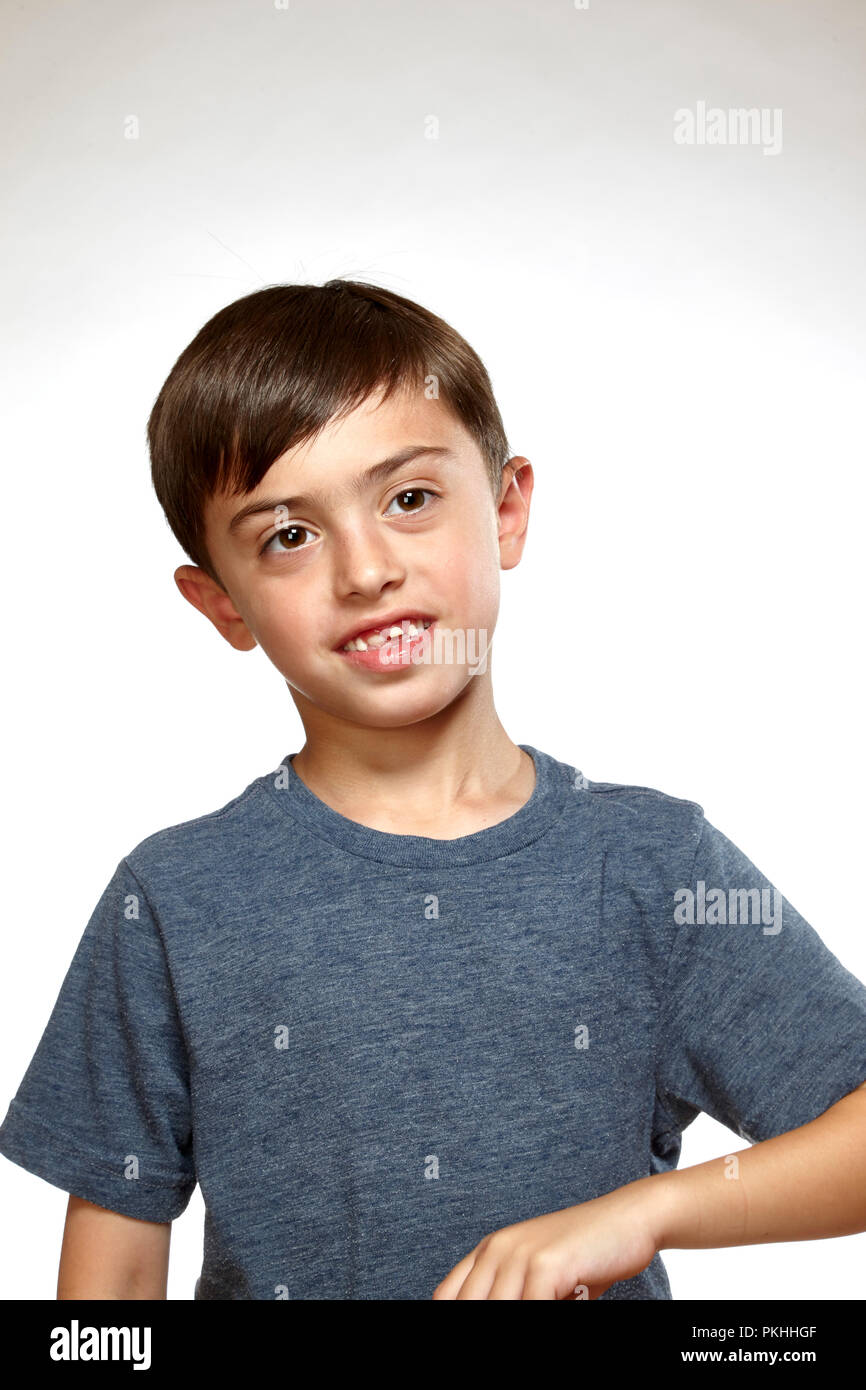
103	1110
761	1026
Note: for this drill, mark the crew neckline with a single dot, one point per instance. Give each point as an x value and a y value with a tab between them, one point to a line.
527	824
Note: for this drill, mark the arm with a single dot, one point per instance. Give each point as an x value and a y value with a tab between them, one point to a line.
808	1184
108	1256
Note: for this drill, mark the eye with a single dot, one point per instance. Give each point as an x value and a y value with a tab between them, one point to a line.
288	535
413	492
290	532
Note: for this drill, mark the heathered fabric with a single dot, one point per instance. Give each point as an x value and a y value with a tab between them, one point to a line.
372	1050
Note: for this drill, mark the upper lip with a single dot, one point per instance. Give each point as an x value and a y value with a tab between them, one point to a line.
384	620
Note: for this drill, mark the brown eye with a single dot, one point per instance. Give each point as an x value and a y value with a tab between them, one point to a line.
280	537
416	495
294	531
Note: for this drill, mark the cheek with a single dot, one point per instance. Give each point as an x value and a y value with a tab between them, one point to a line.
469	542
277	626
471	569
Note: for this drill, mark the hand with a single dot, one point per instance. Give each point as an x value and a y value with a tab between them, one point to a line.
577	1252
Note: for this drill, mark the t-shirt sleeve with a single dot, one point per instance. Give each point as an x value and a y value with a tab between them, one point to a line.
761	1026
104	1110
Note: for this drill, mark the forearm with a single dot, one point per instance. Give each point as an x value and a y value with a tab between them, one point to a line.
108	1256
81	1277
807	1184
108	1286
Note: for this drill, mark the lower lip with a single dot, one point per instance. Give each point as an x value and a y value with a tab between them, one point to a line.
399	651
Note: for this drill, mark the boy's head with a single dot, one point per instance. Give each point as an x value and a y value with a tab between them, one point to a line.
261	442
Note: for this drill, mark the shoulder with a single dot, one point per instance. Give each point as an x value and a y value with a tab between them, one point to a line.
629	803
633	818
206	849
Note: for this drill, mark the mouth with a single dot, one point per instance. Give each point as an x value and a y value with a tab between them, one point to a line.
381	646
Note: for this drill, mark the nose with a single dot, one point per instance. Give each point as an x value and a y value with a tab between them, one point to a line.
365	562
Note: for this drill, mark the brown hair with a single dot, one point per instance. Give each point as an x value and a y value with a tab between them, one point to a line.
272	369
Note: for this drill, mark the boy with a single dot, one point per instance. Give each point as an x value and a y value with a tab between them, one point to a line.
423	1011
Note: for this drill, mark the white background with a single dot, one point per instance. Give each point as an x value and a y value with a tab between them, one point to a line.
675	335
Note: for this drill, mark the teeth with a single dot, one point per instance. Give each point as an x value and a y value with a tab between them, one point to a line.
378	639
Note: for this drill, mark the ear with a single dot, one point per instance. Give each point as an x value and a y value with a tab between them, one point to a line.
211	599
516	490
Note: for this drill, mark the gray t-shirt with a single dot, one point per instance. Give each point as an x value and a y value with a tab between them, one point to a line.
372	1050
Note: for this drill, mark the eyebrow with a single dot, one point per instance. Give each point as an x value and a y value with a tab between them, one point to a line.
377	472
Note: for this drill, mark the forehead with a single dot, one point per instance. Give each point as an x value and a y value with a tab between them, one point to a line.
378	427
375	430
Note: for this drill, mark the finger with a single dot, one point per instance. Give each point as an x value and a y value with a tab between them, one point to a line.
479	1280
509	1280
450	1285
541	1282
